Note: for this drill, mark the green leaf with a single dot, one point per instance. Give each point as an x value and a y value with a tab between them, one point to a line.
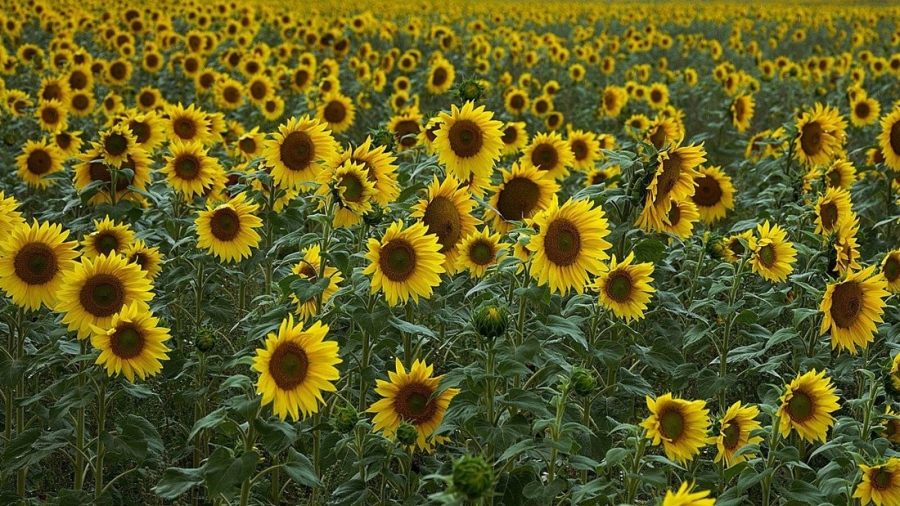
176	481
139	438
276	435
209	421
528	401
222	472
649	250
300	470
410	328
33	446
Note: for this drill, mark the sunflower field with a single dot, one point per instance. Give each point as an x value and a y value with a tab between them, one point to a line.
488	253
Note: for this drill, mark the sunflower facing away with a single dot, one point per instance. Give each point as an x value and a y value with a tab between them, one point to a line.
673	179
806	406
468	141
714	194
890	269
132	343
295	367
411	397
684	497
680	426
447	212
228	230
624	288
480	250
880	484
95	290
405	263
33	259
569	245
734	433
308	268
820	136
522	193
852	307
889	140
772	254
296	152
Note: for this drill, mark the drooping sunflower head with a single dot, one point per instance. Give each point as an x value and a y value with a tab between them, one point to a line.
132	343
680	219
108	238
772	255
678	424
468	141
734	433
447	213
852	308
33	259
308	268
228	230
880	483
624	288
664	132
806	406
352	190
94	290
406	263
295	367
673	179
413	397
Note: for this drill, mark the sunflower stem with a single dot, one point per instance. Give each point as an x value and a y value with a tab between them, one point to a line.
729	323
766	483
326	240
199	411
79	424
101	428
20	394
249	441
632	484
364	364
198	295
407	337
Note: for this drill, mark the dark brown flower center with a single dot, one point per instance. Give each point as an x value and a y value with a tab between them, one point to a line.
127	341
231	94
185	128
466	138
397	260
658	137
801	406
35	264
510	134
580	149
78	80
102	295
731	434
862	110
541	106
767	255
413	405
259	90
894	140
187	167
562	242
39	162
443	220
247	145
881	478
517	102
846	304
147	99
518	199
619	286
335	112
405	131
297	151
115	144
439	78
118	70
829	214
674	215
288	365
671	173
352	188
671	424
739	110
891	268
481	252
106	242
50	115
811	138
80	102
544	156
709	192
225	224
656	96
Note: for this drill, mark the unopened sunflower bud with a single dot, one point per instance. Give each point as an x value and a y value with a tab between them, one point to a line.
345	418
470	90
407	434
383	137
491	321
583	381
473	478
205	340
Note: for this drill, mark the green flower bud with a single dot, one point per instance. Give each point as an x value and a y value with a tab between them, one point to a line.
491	321
583	381
374	216
715	247
205	340
382	137
472	477
407	434
470	90
345	418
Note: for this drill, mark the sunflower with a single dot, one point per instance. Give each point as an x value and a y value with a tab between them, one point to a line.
550	154
189	170
624	288
522	193
406	128
658	95
806	406
673	179
820	135
108	238
852	307
250	144
405	263
889	140
608	176
890	269
229	93
880	484
480	250
441	76
447	212
38	160
891	422
10	217
308	268
514	137
116	144
832	210
68	143
353	191
742	111
146	127
259	89
296	152
336	111
187	124
772	254
734	433
585	147
132	343
663	132
82	103
95	290
680	426
228	230
684	497
714	194
295	367
569	245
613	100
840	174
52	115
413	398
149	259
516	101
468	141
380	168
864	111
680	219
33	259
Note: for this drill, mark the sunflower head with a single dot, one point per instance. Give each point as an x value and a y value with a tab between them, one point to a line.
680	426
806	406
132	343
880	484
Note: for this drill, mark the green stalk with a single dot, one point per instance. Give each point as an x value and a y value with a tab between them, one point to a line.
20	394
632	484
366	352
729	323
556	430
766	483
249	441
101	428
79	424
